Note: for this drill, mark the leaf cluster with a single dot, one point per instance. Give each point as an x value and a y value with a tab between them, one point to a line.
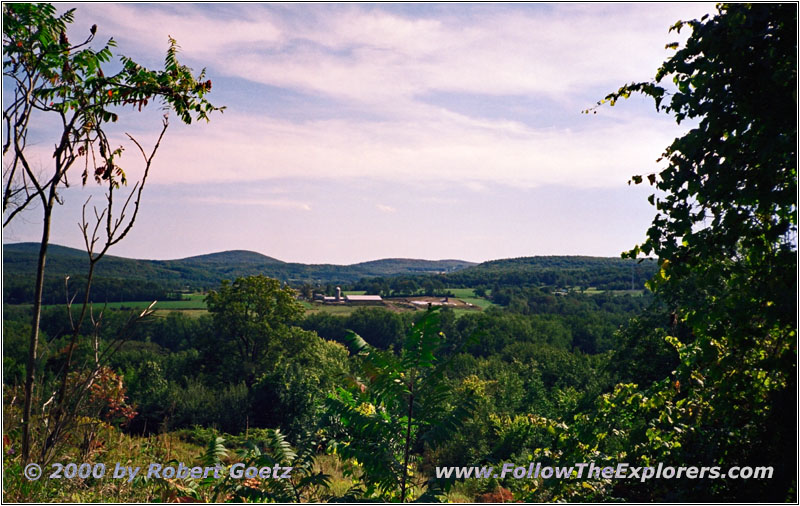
52	74
726	239
395	407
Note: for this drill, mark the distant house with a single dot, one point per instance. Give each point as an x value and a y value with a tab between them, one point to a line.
363	299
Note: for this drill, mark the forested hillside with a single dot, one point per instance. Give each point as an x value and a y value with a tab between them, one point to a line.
553	272
159	279
122	279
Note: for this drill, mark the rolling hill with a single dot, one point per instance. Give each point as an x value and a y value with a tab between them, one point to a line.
559	271
19	260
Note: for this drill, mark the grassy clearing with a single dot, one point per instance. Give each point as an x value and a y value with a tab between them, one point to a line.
468	295
336	309
462	292
192	301
192	313
635	293
476	301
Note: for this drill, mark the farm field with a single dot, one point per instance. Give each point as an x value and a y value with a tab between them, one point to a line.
401	304
462	292
194	304
468	295
194	301
477	301
192	313
328	308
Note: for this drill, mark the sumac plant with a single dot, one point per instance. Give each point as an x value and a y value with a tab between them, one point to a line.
393	409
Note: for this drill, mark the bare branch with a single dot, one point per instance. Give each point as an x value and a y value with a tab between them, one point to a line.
148	163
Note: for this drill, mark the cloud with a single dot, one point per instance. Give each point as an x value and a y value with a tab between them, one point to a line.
386	209
277	203
376	68
238	147
202	33
370	54
475	186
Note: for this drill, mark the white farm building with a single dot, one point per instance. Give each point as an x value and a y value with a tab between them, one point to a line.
363	299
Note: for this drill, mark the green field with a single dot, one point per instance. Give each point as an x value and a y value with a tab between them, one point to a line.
468	295
194	305
195	302
192	313
477	301
336	309
462	292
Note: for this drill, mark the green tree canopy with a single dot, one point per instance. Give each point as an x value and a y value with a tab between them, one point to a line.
254	313
54	76
726	239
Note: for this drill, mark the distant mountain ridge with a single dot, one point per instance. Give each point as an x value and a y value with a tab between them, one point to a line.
19	259
236	255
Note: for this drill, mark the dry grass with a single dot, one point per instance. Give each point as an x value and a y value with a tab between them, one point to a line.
110	446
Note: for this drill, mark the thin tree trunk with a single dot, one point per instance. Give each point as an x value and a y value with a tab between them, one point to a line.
59	409
33	345
75	331
407	446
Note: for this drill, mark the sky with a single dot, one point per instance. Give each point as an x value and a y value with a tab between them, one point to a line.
357	131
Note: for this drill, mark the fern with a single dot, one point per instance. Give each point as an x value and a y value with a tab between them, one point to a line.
271	448
215	452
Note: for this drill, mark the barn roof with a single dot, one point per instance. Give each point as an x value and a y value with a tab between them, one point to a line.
363	298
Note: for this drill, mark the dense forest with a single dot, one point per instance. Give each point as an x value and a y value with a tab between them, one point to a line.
554	272
681	354
184	372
